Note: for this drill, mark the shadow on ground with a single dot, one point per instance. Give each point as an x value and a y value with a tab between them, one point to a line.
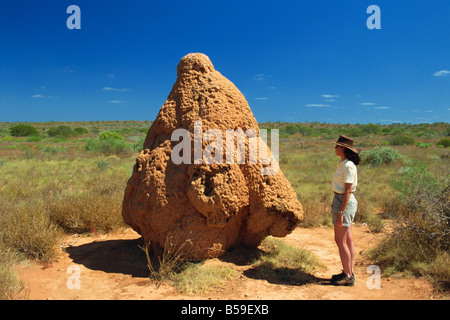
244	256
127	257
112	256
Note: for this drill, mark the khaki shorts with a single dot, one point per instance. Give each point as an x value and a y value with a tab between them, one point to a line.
350	210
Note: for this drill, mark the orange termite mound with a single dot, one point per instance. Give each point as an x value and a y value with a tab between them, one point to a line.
213	206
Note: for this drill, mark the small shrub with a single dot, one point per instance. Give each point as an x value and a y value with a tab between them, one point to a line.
108	146
10	285
51	150
102	165
420	226
284	263
173	260
304	131
97	209
290	129
27	229
139	144
108	135
34	139
379	155
355	132
60	131
424	145
375	223
371	128
401	141
23	130
444	143
80	130
199	279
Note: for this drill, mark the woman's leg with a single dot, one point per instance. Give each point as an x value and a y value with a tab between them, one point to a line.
341	238
349	241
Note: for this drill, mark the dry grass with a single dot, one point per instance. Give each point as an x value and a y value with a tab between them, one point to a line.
200	279
51	185
283	263
172	259
175	267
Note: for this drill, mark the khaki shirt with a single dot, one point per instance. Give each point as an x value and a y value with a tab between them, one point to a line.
346	172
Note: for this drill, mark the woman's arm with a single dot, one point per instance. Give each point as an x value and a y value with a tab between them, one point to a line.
348	187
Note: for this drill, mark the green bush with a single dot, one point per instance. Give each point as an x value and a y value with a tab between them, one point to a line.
80	130
108	135
379	155
108	146
34	139
23	130
354	132
51	150
419	240
290	129
60	131
444	142
401	141
371	128
304	131
424	144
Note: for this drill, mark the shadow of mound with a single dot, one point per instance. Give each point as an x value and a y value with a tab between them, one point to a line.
112	256
241	255
280	275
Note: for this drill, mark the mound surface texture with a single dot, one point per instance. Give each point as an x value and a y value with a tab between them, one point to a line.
211	205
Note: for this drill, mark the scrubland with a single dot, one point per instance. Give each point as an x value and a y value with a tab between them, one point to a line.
63	178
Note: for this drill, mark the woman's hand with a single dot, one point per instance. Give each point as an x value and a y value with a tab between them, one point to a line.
340	220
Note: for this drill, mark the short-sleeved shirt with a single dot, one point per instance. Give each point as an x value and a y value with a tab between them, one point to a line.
346	172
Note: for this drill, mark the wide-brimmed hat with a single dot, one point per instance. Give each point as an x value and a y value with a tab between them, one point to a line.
346	142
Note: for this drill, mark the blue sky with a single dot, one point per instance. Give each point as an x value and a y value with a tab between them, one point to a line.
295	61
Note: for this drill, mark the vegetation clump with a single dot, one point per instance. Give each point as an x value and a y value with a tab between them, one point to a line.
379	155
419	242
23	130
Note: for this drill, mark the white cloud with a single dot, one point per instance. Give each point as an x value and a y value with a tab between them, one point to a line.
318	105
115	89
382	107
262	98
367	104
330	96
112	76
115	101
261	76
37	96
441	73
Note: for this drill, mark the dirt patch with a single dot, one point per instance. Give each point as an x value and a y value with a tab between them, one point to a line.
113	267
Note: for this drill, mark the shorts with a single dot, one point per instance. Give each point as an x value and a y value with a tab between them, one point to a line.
350	210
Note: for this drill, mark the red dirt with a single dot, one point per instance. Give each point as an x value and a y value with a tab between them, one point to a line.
113	267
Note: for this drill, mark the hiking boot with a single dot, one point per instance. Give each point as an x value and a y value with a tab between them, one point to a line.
336	276
343	280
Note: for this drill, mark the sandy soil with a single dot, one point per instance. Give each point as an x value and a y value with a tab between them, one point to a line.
113	267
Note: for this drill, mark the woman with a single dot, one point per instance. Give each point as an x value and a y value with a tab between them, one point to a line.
344	207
